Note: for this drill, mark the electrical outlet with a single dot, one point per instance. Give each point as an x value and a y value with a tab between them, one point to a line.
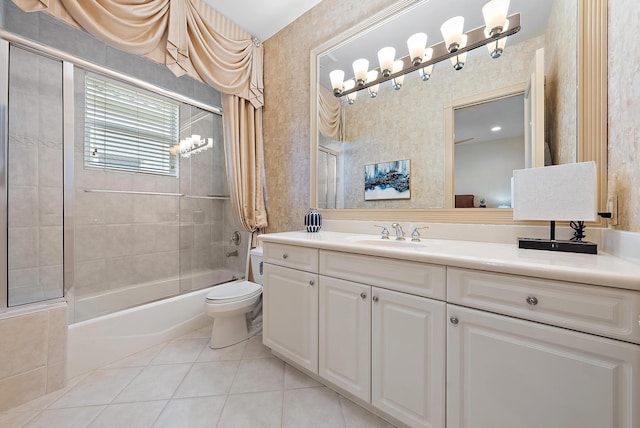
612	207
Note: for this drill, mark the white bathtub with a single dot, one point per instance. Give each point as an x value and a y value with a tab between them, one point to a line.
106	339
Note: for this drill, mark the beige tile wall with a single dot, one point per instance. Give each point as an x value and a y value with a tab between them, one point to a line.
33	357
624	112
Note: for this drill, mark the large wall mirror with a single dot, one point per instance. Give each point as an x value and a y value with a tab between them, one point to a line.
439	125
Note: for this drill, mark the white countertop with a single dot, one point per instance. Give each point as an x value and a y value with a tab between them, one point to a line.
601	269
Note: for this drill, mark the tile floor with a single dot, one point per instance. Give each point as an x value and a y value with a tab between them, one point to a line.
183	383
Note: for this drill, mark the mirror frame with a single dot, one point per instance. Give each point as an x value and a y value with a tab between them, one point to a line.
592	115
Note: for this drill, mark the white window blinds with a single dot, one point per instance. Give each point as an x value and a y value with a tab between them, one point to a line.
128	130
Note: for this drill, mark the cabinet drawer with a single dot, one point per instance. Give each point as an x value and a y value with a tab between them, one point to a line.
302	258
605	311
421	279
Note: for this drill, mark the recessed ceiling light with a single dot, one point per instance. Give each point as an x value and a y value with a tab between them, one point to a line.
496	128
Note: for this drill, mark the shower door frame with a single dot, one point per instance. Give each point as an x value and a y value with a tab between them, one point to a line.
69	63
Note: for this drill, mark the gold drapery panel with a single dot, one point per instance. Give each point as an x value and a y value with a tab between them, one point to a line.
330	115
244	148
191	38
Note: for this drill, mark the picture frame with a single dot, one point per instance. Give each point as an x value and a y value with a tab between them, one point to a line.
387	180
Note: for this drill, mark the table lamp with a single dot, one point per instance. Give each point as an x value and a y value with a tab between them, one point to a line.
560	192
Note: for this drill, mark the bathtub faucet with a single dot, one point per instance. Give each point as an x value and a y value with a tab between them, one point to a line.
233	253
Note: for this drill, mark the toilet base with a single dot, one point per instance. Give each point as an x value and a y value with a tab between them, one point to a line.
227	331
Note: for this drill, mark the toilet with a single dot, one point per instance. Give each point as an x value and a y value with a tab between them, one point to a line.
233	305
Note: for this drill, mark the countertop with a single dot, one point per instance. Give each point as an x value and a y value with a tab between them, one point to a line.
601	269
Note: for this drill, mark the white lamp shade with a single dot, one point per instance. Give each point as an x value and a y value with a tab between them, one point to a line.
428	54
386	57
501	43
452	30
371	76
337	79
350	84
360	68
559	192
495	13
416	44
463	56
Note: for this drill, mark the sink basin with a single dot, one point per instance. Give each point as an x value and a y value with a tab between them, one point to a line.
391	243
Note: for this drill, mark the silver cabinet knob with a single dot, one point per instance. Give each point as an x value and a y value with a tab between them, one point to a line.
363	295
311	282
532	300
374	298
454	320
285	255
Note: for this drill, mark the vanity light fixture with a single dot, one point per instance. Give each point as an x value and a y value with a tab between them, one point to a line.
455	45
191	145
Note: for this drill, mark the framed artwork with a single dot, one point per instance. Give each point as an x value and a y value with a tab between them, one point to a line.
387	180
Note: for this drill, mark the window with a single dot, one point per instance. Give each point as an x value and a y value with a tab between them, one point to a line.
128	129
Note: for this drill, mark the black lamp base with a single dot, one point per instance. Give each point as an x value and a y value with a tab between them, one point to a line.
557	245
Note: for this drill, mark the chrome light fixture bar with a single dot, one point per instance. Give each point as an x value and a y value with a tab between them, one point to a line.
475	38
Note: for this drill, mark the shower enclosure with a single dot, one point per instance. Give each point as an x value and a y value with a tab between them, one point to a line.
116	191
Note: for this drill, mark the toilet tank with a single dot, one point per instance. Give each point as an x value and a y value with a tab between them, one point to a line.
256	265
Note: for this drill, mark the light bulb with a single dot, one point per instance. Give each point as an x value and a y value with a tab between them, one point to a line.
416	45
452	31
495	13
360	68
337	81
386	57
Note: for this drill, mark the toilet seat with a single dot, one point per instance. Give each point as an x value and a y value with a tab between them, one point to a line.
233	292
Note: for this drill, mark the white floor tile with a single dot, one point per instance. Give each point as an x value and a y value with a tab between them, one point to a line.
201	333
357	417
17	419
294	378
258	375
255	410
230	353
200	412
154	383
138	415
140	359
180	351
312	408
79	417
255	348
99	387
203	379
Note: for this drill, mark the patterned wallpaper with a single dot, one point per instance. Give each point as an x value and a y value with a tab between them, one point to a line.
624	112
286	111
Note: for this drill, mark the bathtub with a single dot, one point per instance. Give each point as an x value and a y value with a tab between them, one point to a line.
106	339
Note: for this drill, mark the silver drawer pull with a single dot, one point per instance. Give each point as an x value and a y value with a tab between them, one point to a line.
454	320
374	298
311	282
285	256
532	300
363	295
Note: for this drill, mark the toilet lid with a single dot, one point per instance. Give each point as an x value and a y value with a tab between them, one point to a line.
233	291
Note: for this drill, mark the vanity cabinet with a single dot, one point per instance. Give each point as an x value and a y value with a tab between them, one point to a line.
290	303
504	371
380	345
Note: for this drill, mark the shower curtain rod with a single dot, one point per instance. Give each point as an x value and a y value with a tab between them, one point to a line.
134	192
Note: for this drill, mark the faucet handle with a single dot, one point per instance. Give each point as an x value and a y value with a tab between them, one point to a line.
415	235
385	231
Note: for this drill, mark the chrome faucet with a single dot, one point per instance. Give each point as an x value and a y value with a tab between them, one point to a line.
399	231
385	231
415	236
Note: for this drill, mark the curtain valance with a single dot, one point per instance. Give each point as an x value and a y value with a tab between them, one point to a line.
188	36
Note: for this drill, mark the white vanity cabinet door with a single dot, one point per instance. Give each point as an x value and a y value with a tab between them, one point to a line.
408	357
345	335
290	311
504	372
